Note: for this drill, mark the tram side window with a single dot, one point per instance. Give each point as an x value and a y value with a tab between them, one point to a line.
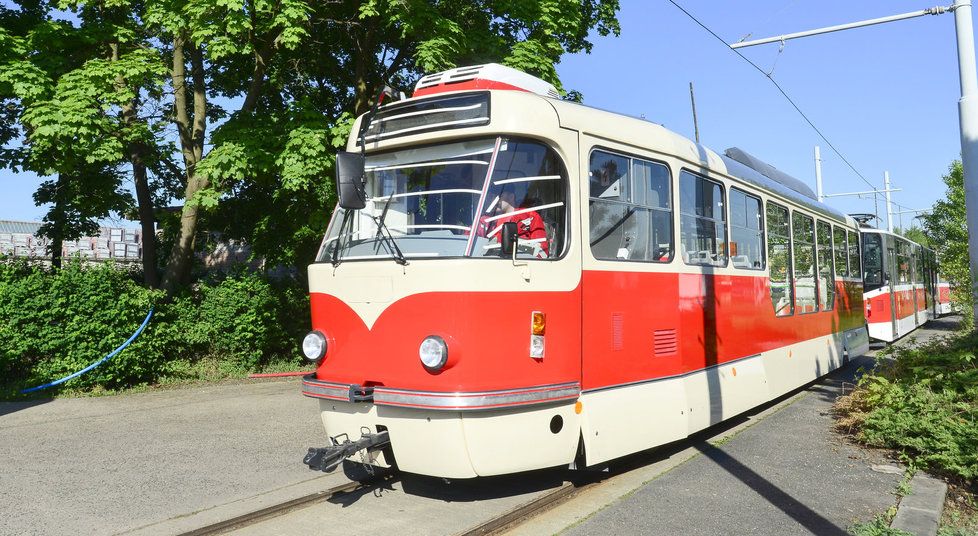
841	251
630	209
702	221
903	262
855	268
803	239
826	276
779	259
872	261
918	267
746	231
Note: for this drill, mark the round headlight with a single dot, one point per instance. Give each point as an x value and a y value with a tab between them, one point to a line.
433	353
314	346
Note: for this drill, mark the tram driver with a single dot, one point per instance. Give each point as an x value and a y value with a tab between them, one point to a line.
530	228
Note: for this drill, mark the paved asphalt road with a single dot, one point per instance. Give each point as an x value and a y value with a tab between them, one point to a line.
108	465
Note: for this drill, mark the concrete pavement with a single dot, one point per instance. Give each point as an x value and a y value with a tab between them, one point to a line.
116	464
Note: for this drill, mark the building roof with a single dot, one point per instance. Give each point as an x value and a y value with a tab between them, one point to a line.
19	227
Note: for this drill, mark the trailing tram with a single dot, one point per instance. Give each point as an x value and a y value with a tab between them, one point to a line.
512	282
901	286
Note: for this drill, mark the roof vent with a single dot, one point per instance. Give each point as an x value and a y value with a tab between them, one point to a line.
769	171
488	76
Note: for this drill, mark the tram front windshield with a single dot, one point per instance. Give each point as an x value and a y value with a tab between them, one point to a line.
872	262
450	200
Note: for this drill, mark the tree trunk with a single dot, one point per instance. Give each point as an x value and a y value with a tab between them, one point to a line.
192	144
136	152
147	216
58	221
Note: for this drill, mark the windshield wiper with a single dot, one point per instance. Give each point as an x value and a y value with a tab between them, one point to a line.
347	218
385	233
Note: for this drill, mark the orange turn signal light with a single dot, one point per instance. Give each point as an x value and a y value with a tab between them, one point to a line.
539	324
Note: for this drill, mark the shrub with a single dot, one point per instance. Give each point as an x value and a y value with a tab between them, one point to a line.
923	404
242	319
55	322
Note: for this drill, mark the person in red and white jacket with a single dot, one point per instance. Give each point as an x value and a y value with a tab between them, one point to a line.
529	224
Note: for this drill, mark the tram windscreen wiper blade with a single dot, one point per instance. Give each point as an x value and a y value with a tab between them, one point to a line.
385	234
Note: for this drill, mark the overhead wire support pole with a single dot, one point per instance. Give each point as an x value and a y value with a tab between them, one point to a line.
889	201
829	29
968	115
818	174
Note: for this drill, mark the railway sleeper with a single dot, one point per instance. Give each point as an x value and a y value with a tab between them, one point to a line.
327	459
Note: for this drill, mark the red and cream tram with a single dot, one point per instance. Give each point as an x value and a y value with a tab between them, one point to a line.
900	284
522	282
944	306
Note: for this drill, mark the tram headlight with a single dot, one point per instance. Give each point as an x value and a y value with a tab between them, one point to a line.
314	346
433	353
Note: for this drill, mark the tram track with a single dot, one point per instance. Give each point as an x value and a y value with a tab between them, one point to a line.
275	510
517	515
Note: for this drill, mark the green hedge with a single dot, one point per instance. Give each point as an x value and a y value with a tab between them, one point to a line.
56	322
923	404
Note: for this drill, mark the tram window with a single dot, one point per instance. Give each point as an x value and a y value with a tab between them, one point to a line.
630	209
903	261
872	261
609	176
841	251
703	220
779	259
803	239
918	268
746	231
855	269
826	276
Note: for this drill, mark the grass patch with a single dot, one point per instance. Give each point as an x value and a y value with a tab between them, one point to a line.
879	526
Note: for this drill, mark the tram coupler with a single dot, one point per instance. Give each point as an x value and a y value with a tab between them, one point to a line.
326	459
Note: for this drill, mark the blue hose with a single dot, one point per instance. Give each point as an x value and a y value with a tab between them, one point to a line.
97	363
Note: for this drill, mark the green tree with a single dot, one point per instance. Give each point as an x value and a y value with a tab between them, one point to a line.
237	106
916	234
268	169
947	230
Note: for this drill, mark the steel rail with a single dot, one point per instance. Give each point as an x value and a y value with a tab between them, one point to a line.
275	510
522	513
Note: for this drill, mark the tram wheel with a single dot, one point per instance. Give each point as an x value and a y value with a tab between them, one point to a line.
361	472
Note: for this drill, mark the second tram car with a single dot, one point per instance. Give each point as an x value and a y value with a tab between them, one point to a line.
528	282
900	284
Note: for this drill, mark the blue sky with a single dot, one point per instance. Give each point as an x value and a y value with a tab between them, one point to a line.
885	96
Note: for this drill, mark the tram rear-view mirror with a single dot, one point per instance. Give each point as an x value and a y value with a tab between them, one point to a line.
507	239
349	180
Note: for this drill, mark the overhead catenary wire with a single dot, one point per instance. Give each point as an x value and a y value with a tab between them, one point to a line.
781	90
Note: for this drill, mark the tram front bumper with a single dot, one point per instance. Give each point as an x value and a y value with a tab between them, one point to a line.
455	435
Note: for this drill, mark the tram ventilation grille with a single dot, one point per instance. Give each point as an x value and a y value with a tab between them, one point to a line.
664	342
617	332
426	115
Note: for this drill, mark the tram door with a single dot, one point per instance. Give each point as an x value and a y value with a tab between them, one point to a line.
890	278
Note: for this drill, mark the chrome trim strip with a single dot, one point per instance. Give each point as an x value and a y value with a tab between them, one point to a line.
316	388
477	400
